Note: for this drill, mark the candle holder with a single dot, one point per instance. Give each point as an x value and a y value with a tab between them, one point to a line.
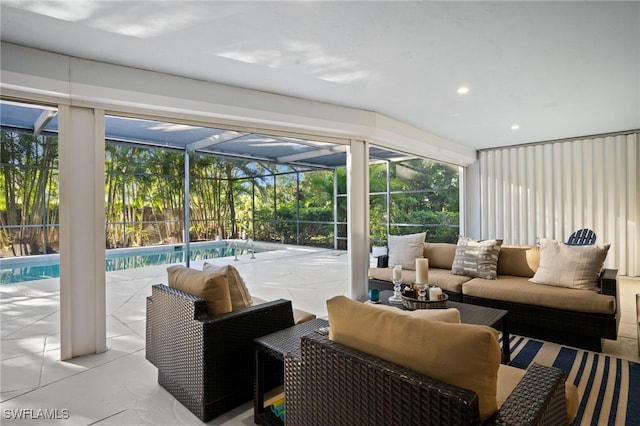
422	292
396	292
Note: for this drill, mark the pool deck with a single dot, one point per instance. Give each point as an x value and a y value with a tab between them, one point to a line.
119	387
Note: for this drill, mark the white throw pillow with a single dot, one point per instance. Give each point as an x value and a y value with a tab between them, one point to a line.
405	249
570	266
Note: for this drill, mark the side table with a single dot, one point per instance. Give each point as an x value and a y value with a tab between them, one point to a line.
270	351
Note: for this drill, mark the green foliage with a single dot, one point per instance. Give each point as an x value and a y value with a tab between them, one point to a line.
144	197
28	192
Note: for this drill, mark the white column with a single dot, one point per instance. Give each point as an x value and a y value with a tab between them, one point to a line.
82	236
358	216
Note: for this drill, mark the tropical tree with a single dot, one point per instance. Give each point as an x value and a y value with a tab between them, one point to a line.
28	184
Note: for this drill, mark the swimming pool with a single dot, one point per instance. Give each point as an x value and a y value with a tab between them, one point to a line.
30	268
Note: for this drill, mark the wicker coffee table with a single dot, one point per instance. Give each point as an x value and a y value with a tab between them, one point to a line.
270	351
473	314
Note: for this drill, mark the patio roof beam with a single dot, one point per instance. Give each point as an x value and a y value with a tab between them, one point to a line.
215	140
45	117
312	154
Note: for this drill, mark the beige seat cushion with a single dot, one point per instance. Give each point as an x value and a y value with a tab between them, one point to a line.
570	266
405	249
440	255
240	297
520	290
519	261
437	349
443	278
211	287
509	377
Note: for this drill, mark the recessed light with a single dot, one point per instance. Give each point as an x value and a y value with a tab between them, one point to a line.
463	90
515	127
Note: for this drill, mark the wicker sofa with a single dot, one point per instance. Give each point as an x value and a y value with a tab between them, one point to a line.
354	376
574	317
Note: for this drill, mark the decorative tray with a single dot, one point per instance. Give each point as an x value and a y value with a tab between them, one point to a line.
413	304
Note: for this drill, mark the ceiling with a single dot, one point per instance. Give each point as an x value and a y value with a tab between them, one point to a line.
299	154
554	69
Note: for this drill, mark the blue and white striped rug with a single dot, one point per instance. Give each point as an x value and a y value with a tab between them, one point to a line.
608	387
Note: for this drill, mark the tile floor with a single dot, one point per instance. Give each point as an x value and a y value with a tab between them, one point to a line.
119	387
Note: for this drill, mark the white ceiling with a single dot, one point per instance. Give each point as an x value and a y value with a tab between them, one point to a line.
556	69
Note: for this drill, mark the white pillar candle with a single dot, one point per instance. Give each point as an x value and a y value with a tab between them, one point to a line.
435	293
422	271
397	273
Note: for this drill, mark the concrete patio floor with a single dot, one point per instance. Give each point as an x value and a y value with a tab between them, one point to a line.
119	387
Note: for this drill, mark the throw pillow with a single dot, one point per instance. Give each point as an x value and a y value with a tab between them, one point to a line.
240	297
476	258
405	249
463	355
570	266
213	288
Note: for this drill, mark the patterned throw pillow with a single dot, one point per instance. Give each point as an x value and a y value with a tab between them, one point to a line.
476	258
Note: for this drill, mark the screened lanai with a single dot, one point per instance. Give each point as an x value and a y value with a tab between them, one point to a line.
277	160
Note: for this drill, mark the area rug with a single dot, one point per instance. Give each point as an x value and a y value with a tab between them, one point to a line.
608	387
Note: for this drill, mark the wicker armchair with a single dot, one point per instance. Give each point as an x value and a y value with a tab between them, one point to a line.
331	384
206	363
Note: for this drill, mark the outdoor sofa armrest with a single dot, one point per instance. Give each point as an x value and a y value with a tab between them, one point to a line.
206	362
539	398
609	282
383	261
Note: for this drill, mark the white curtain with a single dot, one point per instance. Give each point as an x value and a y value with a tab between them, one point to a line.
549	190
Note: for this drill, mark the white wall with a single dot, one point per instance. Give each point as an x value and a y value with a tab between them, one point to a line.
549	190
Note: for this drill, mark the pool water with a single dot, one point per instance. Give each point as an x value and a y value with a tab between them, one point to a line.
13	270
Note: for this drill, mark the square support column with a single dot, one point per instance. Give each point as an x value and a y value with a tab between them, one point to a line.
358	217
82	232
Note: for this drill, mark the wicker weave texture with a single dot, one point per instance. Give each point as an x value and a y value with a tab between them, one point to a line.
334	385
331	384
206	363
541	389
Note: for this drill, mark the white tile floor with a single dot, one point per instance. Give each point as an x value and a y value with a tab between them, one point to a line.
120	387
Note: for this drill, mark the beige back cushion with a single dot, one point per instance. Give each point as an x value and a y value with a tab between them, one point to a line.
240	297
213	288
464	355
440	255
520	261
